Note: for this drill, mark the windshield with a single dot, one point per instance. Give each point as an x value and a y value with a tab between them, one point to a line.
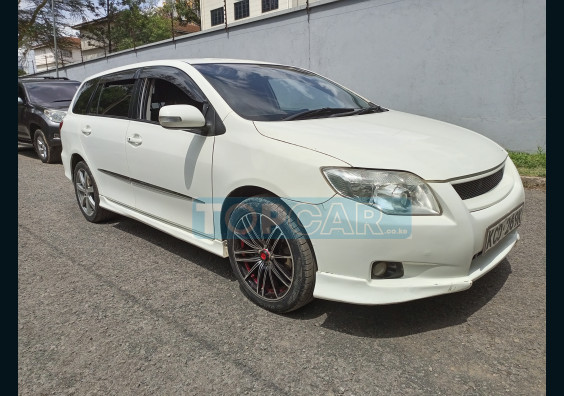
273	93
51	94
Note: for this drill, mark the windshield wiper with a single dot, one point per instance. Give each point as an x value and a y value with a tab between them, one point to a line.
62	100
366	110
325	111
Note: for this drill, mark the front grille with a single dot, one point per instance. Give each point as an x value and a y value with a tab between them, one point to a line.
478	187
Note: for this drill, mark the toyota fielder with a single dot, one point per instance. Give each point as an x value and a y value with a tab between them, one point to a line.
310	189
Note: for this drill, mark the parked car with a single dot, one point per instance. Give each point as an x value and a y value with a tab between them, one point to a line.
42	104
310	189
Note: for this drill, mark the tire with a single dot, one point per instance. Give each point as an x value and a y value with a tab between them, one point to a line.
87	196
270	255
45	152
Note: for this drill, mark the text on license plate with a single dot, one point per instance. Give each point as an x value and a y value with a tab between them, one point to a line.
497	231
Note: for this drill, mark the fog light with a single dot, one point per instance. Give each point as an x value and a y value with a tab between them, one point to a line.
386	270
379	269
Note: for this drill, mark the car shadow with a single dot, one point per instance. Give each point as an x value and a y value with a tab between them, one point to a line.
376	321
194	254
27	150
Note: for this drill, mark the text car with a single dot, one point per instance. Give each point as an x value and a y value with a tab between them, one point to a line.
310	189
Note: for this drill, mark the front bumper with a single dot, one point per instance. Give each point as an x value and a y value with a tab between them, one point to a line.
52	134
440	254
390	291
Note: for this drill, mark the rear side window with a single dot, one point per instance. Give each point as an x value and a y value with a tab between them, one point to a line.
81	104
112	98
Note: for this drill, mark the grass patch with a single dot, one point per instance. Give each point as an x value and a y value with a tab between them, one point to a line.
530	164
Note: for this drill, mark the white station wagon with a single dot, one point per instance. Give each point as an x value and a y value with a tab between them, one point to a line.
310	189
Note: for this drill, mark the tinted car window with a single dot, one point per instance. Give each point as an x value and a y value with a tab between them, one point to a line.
49	94
81	104
113	98
21	93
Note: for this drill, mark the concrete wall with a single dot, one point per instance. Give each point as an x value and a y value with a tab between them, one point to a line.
479	64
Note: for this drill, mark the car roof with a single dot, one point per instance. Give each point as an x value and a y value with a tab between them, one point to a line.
178	62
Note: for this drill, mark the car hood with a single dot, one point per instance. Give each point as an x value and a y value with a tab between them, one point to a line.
432	149
52	106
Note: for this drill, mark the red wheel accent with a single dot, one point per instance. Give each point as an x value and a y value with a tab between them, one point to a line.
248	267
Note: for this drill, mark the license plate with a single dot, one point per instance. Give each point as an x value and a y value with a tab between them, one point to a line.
501	228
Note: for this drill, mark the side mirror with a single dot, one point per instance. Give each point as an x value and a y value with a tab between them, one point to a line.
181	116
20	100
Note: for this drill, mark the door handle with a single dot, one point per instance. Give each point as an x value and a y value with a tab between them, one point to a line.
134	140
86	130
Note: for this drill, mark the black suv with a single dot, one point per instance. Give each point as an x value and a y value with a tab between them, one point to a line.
42	104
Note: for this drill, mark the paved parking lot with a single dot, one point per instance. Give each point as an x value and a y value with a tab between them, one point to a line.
121	308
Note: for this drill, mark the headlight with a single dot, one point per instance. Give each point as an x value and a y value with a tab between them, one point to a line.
392	192
55	115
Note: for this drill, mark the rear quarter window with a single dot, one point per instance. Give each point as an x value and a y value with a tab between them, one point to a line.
84	95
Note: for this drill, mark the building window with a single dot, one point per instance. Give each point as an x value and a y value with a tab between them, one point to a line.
241	9
217	16
269	5
66	53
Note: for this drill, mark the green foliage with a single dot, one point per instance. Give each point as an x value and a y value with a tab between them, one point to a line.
21	72
135	27
185	11
35	19
530	164
100	33
128	24
119	24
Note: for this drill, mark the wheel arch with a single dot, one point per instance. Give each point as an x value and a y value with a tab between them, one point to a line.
236	196
75	159
248	191
33	127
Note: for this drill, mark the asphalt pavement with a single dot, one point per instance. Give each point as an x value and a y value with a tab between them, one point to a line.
121	308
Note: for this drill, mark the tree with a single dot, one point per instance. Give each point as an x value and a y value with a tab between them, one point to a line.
118	24
35	19
138	25
99	33
184	11
126	24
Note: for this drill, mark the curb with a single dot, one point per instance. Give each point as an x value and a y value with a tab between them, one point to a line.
534	183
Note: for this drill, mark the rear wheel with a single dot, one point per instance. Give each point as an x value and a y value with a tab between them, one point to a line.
87	195
271	255
45	152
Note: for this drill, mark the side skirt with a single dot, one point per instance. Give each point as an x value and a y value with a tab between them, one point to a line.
214	246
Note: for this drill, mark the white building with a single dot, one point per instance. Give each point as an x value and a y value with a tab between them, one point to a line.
216	13
44	58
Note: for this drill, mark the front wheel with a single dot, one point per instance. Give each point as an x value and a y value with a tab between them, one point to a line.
87	195
270	255
45	152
